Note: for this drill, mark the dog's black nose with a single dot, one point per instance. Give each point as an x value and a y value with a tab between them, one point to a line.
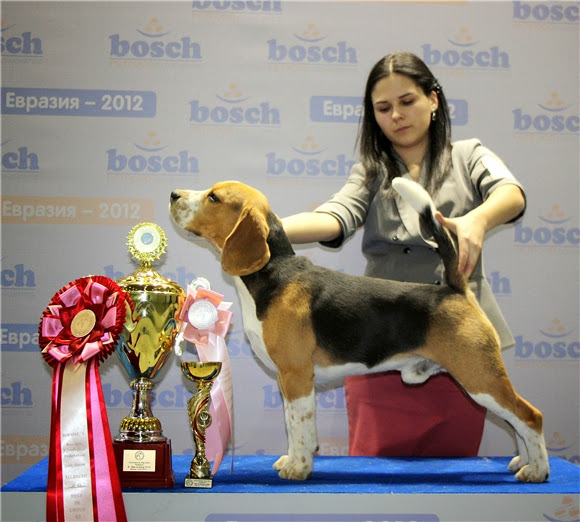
174	196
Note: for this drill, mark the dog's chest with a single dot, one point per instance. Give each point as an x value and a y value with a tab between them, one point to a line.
252	325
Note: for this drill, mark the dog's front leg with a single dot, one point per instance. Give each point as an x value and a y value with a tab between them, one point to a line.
300	416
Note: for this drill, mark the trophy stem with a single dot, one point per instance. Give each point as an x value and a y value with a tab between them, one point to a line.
140	425
200	419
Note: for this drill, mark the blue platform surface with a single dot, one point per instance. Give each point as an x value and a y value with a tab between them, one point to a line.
356	475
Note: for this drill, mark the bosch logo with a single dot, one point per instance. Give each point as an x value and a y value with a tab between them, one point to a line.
552	12
551	117
152	158
555	231
18	159
309	160
466	53
18	277
500	284
22	45
156	44
311	49
234	109
15	394
555	345
238	6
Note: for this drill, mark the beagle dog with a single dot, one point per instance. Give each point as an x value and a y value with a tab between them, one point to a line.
313	324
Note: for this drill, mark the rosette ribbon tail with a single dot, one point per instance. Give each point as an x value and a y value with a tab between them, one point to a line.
220	431
83	483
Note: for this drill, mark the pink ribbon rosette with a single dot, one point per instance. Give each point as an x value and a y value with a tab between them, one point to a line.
205	322
79	328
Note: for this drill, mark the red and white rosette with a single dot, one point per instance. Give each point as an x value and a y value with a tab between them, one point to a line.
205	322
79	328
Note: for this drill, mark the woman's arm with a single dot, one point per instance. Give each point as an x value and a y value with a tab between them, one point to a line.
311	227
503	204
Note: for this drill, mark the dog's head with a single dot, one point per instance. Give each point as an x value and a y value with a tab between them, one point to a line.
232	217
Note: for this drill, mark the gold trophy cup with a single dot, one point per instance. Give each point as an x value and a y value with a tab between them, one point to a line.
203	374
142	452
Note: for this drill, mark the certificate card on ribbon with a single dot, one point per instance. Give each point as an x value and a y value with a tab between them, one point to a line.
78	329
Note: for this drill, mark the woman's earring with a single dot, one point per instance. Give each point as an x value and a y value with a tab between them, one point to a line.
434	115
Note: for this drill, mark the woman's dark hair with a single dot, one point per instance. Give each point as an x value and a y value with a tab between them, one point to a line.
376	150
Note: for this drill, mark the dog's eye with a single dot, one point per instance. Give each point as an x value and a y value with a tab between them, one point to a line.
213	198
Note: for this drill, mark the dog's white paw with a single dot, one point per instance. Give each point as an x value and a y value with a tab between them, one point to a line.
516	464
295	469
279	464
533	473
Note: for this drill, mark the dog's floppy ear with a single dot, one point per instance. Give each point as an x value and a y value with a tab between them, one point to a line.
246	250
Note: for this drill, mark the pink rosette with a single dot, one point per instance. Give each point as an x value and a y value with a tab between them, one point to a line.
199	335
205	322
79	328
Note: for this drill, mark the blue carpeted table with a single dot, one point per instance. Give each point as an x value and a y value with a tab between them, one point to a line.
341	488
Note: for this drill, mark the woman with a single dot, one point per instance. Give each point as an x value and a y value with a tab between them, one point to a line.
406	131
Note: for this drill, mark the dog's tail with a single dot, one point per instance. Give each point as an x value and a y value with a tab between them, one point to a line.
421	201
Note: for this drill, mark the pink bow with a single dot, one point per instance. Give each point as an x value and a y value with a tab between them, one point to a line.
211	346
205	337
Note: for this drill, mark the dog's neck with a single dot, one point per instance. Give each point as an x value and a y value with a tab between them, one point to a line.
264	283
278	241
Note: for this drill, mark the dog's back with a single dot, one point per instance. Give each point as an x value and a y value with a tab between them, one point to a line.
356	319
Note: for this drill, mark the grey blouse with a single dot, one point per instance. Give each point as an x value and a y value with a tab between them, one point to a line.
394	244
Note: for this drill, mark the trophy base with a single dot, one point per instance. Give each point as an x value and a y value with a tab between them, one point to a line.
144	465
203	483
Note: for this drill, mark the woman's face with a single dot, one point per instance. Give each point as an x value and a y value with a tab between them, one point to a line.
403	111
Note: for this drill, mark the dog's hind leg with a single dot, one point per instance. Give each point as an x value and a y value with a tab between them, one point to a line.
300	416
490	386
521	459
465	343
486	381
526	420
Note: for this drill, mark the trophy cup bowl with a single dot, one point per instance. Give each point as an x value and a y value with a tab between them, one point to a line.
143	453
197	372
203	374
145	345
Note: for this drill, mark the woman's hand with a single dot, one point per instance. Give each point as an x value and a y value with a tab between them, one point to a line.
470	233
503	204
